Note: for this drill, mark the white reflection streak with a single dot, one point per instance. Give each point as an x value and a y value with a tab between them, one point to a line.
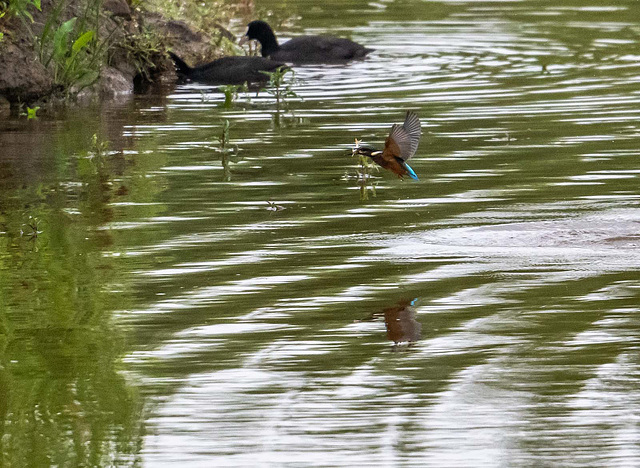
208	295
244	258
474	422
608	405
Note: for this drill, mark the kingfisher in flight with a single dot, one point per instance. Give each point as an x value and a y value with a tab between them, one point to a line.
399	147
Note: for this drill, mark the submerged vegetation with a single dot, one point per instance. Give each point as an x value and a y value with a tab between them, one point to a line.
31	228
364	174
226	149
280	86
231	93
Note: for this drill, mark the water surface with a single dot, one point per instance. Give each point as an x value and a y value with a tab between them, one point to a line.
183	306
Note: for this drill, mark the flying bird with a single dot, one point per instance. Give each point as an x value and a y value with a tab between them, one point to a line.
399	147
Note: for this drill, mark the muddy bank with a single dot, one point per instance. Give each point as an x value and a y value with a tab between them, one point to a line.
133	43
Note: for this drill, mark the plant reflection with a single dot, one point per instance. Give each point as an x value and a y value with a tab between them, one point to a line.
64	400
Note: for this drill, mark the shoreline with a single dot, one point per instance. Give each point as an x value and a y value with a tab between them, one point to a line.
94	49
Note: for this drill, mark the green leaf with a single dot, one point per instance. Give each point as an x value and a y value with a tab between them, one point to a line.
61	39
82	41
87	78
31	112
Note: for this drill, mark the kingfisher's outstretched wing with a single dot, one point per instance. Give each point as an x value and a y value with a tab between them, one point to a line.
403	140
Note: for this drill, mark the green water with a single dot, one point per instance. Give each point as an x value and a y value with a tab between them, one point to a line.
165	313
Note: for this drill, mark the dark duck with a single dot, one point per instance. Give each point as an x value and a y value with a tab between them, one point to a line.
227	70
304	49
399	147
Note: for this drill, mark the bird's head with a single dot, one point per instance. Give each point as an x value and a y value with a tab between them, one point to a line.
363	150
258	30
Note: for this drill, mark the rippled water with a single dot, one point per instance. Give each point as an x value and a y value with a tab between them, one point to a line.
181	309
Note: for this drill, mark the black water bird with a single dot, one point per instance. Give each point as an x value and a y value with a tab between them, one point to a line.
304	49
227	70
399	147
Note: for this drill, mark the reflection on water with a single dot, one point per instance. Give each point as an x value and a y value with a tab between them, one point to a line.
401	322
64	398
183	304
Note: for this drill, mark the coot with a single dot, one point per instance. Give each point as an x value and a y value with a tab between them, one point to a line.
227	70
304	49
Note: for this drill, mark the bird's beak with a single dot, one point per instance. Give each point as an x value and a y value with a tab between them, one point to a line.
355	149
243	40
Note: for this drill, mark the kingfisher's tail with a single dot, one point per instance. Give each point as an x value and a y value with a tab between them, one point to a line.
411	172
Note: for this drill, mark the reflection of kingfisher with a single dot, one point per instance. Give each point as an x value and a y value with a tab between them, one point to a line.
401	322
399	147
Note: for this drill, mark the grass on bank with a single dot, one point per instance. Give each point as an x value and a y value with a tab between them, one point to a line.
208	17
19	8
71	48
76	49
